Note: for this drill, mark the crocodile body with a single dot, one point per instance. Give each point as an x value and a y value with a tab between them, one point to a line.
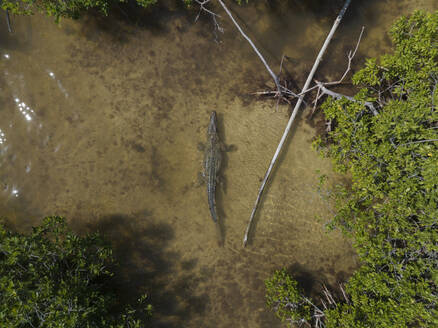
212	164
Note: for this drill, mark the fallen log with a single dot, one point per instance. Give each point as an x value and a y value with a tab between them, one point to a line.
294	114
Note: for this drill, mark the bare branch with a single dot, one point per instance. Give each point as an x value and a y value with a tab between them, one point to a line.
344	294
274	77
323	304
317	309
263	93
203	8
329	126
316	101
289	92
281	64
419	141
339	95
350	57
285	92
213	15
302	93
328	295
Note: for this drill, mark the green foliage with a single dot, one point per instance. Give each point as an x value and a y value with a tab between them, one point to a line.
54	278
284	298
56	8
390	211
146	3
74	8
61	8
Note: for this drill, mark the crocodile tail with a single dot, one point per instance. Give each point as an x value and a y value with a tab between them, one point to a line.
212	206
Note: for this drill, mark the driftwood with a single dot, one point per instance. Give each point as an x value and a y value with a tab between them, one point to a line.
294	114
273	75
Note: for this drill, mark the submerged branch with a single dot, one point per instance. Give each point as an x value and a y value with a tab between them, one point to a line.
294	114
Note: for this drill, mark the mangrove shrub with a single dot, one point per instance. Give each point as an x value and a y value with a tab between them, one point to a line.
390	210
55	278
61	8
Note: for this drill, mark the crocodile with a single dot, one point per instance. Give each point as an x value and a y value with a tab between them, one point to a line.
212	164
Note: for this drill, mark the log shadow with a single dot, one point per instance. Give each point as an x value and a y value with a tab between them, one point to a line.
123	21
146	266
223	181
153	17
319	8
307	280
311	282
126	17
22	33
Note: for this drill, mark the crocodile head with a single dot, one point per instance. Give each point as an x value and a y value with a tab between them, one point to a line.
212	125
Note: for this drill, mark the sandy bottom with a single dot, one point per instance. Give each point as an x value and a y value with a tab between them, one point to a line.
102	122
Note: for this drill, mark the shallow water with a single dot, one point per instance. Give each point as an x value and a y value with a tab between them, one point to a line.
102	122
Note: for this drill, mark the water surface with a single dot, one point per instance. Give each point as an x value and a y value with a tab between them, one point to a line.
102	122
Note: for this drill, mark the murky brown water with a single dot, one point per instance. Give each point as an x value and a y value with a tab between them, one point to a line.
101	122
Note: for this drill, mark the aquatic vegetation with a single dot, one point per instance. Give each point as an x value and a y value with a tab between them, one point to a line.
55	278
390	210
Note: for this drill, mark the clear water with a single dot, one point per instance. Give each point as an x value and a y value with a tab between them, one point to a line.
101	122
